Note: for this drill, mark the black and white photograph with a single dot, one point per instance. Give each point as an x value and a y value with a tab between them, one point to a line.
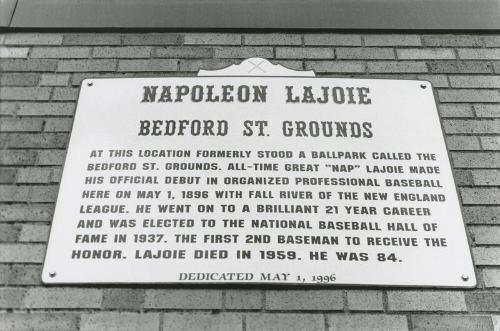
220	165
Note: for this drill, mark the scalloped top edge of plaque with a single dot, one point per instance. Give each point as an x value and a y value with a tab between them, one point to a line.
258	67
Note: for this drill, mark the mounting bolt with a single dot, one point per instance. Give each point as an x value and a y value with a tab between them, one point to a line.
90	83
52	274
465	278
423	86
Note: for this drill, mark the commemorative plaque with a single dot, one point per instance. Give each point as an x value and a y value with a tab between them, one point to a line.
258	174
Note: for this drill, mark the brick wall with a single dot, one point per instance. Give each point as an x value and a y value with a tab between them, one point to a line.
39	80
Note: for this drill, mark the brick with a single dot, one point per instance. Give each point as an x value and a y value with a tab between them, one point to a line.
482	215
14	52
60	52
184	52
332	39
354	53
491	277
202	321
480	196
14	212
463	143
243	52
485	235
453	40
11	298
471	126
365	300
487	110
58	125
479	54
487	256
183	299
455	110
7	175
34	233
25	274
92	39
462	95
462	177
56	175
290	64
407	76
196	65
43	109
397	67
305	300
21	124
54	79
65	94
51	157
150	39
77	78
120	321
9	232
475	160
8	108
475	81
4	278
496	67
11	193
123	298
148	65
496	322
426	301
338	322
67	298
86	65
45	193
424	54
37	140
336	66
39	321
273	39
392	40
460	67
3	140
483	301
22	253
486	177
491	41
212	39
284	322
122	52
436	80
29	213
450	322
30	65
33	39
490	143
19	79
304	53
243	299
25	93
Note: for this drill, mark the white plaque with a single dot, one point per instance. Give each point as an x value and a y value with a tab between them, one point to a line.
258	174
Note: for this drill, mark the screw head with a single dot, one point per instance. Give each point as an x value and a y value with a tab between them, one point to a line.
90	83
52	274
465	278
423	86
